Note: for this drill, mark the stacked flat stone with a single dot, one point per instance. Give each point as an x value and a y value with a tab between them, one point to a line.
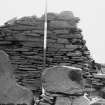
22	39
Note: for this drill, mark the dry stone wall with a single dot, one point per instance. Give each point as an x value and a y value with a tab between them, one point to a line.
23	38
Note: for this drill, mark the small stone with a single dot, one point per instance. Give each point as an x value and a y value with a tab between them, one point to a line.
62	40
50	16
63	101
5	42
55	45
32	34
33	44
38	31
51	41
76	53
60	24
61	31
71	46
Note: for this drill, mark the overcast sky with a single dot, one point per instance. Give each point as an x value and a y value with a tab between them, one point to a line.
91	13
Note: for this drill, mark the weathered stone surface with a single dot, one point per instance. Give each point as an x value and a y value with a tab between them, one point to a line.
60	24
62	40
10	92
81	101
61	31
66	15
63	101
71	46
66	83
5	42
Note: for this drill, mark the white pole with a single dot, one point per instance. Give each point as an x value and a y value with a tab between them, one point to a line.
45	35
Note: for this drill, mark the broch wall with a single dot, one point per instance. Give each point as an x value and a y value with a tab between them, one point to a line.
22	40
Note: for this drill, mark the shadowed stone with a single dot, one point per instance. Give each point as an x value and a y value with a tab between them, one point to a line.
75	75
10	92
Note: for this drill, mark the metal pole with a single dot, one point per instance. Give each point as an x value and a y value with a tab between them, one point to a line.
45	43
45	36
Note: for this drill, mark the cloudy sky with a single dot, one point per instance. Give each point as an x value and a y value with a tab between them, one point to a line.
91	13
